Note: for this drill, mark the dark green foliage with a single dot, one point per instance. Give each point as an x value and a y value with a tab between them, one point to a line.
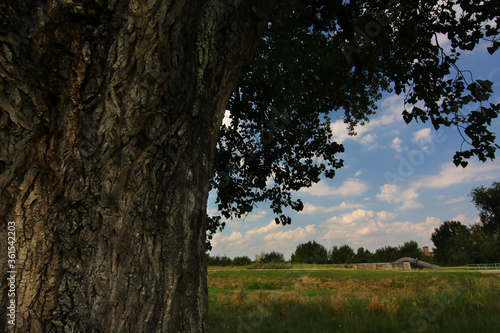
219	261
341	255
319	57
310	253
363	256
486	233
487	201
242	261
271	257
452	244
387	254
411	249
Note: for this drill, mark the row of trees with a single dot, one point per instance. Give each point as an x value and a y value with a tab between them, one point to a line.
262	258
315	253
458	244
312	252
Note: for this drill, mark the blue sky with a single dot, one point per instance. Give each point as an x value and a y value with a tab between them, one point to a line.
398	184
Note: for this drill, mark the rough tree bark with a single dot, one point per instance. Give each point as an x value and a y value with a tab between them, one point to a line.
109	115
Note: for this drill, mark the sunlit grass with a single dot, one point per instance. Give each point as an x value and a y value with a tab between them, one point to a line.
353	301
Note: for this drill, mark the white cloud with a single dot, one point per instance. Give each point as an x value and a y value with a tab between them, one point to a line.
270	226
454	200
339	131
255	216
312	209
443	41
357	215
235	236
395	194
350	187
235	239
297	234
460	218
421	229
389	113
397	145
383	215
422	136
369	141
451	175
392	107
358	173
367	230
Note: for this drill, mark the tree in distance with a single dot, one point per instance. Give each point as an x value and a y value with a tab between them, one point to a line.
487	201
387	254
452	244
242	261
363	256
272	257
457	244
486	233
310	253
111	138
411	249
341	255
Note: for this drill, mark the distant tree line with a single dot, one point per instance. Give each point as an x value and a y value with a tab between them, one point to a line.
225	261
314	253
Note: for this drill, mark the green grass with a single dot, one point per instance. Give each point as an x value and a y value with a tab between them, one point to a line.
353	301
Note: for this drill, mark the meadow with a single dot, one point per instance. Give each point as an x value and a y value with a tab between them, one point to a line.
314	299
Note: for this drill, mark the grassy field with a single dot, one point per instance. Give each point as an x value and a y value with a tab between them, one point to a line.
349	300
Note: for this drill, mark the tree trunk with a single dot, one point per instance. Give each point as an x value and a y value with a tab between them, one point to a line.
109	118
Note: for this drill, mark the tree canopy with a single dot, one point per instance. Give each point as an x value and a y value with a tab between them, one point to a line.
452	244
310	253
487	201
486	233
321	59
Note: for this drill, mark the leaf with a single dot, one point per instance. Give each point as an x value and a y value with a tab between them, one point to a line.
494	48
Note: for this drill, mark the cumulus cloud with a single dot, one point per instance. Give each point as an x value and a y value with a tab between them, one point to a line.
297	234
395	194
422	136
397	144
255	216
313	209
358	228
235	236
383	215
265	229
390	112
419	229
350	187
357	215
451	175
366	228
339	131
460	217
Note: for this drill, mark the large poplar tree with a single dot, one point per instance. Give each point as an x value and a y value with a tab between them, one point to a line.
110	117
